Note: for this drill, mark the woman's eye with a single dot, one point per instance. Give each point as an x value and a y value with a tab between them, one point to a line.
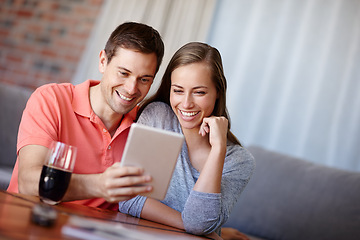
177	91
200	93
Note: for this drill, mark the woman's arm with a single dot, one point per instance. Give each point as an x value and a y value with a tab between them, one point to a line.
211	172
158	212
195	218
206	193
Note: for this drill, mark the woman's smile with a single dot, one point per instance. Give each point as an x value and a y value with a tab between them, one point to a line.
189	113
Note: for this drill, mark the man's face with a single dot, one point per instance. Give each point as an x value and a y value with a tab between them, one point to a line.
126	79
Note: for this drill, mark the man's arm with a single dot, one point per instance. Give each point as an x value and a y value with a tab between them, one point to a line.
114	185
31	159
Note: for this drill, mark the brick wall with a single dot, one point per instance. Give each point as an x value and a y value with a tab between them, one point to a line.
41	41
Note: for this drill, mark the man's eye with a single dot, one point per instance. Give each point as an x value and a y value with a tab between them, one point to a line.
145	80
125	74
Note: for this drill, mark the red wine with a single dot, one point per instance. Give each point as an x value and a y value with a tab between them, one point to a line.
53	183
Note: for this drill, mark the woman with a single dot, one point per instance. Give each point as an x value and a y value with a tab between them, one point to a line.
212	168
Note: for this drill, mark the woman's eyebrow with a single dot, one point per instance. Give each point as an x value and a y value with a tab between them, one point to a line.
175	85
200	87
197	87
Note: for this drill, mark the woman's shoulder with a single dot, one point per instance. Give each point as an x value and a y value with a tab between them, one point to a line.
160	115
236	153
233	148
158	106
158	110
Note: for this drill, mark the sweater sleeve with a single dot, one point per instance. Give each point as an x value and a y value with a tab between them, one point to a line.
207	212
202	212
133	206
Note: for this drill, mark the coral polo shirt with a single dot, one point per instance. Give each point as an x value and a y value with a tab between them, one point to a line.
62	112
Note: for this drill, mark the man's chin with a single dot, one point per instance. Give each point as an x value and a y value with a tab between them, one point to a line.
125	109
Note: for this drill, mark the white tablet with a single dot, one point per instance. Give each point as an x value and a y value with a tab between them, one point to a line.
156	150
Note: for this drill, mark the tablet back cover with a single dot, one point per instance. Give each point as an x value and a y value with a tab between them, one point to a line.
156	150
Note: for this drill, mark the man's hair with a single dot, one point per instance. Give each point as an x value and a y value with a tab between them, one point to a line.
137	36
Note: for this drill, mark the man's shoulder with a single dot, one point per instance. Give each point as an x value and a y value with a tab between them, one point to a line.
56	87
54	91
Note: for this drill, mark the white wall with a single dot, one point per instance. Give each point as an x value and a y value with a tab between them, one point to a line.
293	69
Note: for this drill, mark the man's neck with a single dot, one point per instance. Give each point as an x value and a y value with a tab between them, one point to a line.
110	119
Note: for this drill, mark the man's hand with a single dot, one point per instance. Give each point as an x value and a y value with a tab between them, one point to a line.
122	183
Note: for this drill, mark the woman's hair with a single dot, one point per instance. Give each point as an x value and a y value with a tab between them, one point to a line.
138	36
196	52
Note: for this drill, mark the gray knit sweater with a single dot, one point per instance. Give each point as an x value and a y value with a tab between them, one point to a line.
202	213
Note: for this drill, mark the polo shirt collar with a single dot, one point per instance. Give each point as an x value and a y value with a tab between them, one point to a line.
81	104
81	100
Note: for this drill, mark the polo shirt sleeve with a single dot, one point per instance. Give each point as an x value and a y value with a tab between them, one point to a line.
40	119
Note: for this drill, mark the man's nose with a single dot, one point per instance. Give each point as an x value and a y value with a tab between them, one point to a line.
131	85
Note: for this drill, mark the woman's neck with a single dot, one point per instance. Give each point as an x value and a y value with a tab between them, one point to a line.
198	147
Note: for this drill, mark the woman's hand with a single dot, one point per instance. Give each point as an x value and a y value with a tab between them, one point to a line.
217	128
232	234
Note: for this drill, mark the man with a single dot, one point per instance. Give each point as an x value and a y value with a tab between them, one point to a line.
94	116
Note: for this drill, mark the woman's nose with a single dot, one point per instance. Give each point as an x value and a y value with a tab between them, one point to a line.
187	101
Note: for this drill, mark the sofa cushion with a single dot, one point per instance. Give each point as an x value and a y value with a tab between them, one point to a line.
12	103
290	198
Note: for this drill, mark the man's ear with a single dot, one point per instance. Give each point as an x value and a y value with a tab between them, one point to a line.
102	61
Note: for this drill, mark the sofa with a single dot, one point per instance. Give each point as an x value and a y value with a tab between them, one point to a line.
12	103
293	199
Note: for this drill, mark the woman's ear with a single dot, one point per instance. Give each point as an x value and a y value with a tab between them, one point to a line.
102	61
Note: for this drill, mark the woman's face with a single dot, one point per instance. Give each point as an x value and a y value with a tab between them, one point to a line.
192	94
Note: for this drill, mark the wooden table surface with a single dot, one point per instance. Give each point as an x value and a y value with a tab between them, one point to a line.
15	221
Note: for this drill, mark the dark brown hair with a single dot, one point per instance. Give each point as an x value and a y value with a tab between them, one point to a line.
196	52
138	36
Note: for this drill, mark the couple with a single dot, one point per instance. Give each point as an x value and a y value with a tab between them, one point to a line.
95	116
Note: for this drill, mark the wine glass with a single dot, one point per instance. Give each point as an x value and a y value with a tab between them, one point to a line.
56	172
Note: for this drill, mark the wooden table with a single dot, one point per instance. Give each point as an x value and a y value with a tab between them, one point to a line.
15	221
